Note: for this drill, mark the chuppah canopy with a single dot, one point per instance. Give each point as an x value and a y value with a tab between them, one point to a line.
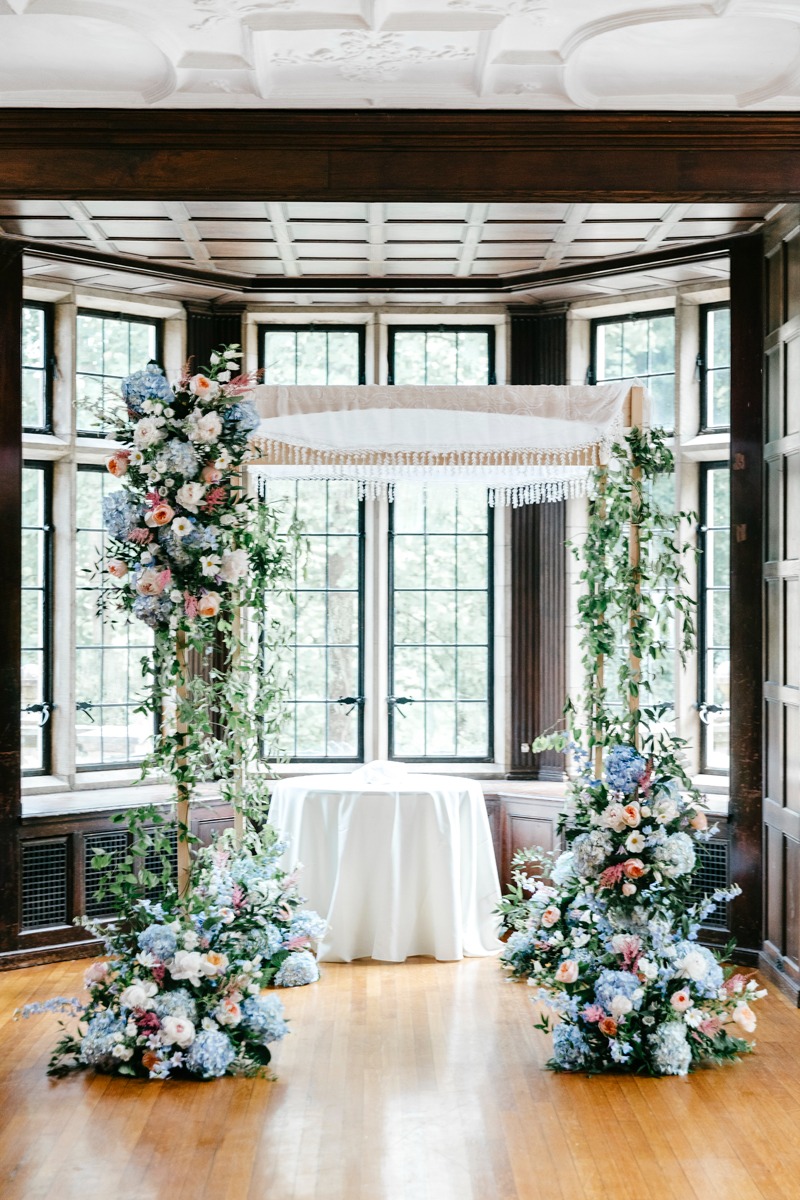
525	444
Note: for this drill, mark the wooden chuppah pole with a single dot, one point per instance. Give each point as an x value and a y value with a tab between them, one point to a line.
182	805
635	421
600	660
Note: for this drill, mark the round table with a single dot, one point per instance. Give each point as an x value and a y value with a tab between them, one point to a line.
399	867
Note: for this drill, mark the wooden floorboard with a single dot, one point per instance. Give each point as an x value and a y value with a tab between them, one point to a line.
420	1081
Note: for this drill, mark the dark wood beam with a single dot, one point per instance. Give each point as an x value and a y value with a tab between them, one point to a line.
280	154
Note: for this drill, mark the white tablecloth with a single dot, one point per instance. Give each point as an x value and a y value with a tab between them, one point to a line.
398	868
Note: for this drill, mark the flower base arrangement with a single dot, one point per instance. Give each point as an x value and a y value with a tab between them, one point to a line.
611	942
608	934
183	989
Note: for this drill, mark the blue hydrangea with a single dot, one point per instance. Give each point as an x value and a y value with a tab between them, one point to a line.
201	538
590	850
616	983
669	1046
697	963
158	940
173	547
307	923
97	1047
179	458
153	610
242	414
676	856
563	871
517	945
210	1054
624	768
261	943
120	514
262	1016
570	1048
297	970
149	384
177	1003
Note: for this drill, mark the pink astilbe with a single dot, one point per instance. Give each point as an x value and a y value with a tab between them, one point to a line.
710	1027
237	896
140	536
612	876
190	604
593	1013
213	499
146	1022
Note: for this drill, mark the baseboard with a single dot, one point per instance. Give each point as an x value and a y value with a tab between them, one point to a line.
39	956
779	979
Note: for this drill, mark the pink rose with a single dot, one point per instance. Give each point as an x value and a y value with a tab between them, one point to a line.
631	815
634	868
96	973
152	582
118	463
614	817
567	971
210	474
117	567
628	889
160	514
208	604
699	822
608	1026
551	915
681	1000
743	1015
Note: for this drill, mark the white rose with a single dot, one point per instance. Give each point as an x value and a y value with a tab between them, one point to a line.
187	964
620	1007
123	1052
138	995
234	566
177	1030
190	940
206	428
743	1015
190	495
694	966
147	433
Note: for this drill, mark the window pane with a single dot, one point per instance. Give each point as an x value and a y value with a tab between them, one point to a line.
35	367
441	356
441	626
716	361
35	602
109	348
715	616
108	650
306	355
642	349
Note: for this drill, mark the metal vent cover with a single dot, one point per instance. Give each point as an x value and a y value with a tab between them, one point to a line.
152	862
44	883
714	873
113	843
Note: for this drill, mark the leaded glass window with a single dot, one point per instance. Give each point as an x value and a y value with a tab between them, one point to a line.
109	683
715	366
714	622
441	356
36	599
37	381
109	348
313	354
639	348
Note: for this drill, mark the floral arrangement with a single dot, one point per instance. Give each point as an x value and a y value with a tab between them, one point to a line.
611	942
182	991
179	529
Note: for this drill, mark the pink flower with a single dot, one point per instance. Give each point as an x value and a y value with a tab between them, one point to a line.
699	822
208	604
117	567
608	1026
189	605
567	971
593	1013
215	497
634	868
681	1000
628	889
551	916
119	462
152	582
743	1015
160	515
140	536
710	1027
612	875
210	474
96	973
631	814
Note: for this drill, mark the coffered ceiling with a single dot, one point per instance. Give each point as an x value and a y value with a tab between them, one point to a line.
595	54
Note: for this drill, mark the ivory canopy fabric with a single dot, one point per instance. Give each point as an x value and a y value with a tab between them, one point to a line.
524	443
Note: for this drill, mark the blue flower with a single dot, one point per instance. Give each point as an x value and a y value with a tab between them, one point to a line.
676	856
210	1054
307	923
201	538
261	943
624	768
243	415
158	940
148	384
177	1003
179	458
590	850
153	610
120	514
298	969
97	1046
262	1016
617	983
670	1049
570	1048
563	871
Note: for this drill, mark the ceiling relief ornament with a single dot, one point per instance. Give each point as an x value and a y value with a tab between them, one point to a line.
533	10
210	12
371	57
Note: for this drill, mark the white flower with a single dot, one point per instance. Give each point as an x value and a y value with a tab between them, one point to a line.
204	387
190	940
635	842
177	1030
228	519
123	1052
209	564
694	1017
620	1007
138	995
224	376
694	965
205	428
187	964
147	433
232	352
743	1015
214	358
234	566
223	461
190	495
137	458
181	526
613	817
665	810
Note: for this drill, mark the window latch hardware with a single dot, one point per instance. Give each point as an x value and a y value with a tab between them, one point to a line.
85	707
397	701
352	701
43	710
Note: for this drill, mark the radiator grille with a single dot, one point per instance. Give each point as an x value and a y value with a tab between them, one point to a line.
713	874
114	844
152	862
44	883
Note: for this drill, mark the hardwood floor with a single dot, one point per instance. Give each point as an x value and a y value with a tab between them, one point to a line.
420	1081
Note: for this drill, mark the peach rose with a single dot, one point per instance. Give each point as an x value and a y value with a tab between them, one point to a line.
152	582
699	822
208	604
550	916
681	1000
160	514
202	386
614	817
631	815
217	962
628	889
117	567
634	868
96	972
608	1026
210	474
567	971
118	463
743	1015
